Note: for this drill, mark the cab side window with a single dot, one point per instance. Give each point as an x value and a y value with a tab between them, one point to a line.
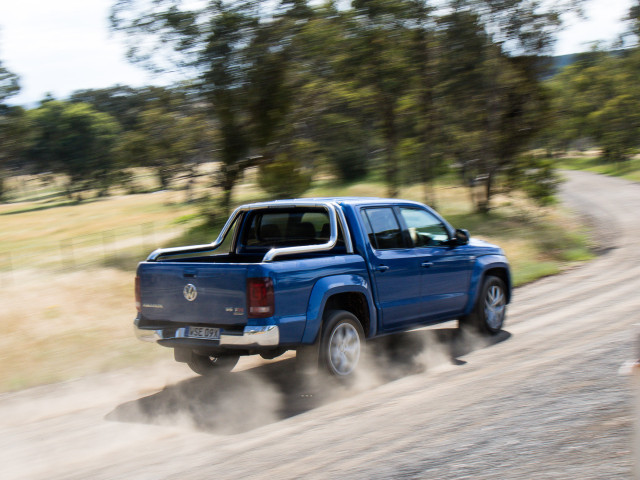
383	228
425	229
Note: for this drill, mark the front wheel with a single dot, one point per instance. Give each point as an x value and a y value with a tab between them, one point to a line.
490	309
208	366
342	344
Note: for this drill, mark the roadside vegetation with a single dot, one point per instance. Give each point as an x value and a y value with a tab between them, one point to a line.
593	162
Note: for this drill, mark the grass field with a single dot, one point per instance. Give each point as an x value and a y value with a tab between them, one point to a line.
66	270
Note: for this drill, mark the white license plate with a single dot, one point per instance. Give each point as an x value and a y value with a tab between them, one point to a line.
209	333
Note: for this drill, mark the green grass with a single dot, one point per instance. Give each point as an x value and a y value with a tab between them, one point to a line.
629	169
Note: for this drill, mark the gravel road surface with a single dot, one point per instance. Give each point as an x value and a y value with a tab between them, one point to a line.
543	400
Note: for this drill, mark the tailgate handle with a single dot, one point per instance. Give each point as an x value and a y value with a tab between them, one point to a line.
189	274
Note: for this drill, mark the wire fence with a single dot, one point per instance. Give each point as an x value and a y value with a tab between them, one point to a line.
121	248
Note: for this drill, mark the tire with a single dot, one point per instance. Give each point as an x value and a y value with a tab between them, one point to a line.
342	344
490	310
209	366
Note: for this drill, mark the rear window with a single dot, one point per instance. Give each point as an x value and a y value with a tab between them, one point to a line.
382	228
286	228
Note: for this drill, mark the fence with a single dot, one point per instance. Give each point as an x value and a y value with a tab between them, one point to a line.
116	247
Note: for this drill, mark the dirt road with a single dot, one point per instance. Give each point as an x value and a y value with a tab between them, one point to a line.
543	400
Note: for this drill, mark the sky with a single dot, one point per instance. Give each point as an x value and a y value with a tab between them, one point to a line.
61	46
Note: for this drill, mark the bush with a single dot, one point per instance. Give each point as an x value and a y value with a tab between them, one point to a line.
536	177
284	178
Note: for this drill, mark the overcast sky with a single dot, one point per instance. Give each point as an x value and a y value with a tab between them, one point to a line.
65	45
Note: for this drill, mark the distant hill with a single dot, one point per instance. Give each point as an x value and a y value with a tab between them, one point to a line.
561	61
557	63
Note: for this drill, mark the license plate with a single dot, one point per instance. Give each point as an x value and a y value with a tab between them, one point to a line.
209	333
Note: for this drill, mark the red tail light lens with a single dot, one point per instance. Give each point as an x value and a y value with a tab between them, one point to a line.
138	304
260	300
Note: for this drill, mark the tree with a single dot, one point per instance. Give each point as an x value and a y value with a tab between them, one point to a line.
616	126
598	97
242	57
380	52
169	142
284	176
330	108
492	82
14	130
424	53
9	84
126	103
214	43
75	140
10	123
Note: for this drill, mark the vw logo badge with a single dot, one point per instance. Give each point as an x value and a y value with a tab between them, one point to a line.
190	292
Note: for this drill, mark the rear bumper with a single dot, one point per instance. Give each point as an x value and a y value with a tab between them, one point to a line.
252	336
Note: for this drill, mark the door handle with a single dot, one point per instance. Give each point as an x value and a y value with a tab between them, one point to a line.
426	264
382	268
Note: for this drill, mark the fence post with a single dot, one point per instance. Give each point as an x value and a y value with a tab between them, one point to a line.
66	249
108	239
147	230
6	274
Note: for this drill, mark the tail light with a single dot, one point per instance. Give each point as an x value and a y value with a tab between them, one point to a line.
260	299
138	304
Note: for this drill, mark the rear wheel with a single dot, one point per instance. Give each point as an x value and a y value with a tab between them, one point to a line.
490	309
342	344
207	366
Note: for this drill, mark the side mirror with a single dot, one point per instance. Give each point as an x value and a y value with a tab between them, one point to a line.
461	237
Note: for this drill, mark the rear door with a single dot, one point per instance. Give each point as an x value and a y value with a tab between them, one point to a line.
395	268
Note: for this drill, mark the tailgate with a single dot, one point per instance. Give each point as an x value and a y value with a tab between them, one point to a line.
193	294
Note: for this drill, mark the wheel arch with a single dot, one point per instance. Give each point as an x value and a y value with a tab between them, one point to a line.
489	265
341	292
352	302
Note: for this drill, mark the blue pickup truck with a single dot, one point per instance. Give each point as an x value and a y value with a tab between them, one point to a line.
320	276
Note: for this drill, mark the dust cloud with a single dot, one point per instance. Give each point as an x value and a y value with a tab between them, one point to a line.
268	392
227	404
419	351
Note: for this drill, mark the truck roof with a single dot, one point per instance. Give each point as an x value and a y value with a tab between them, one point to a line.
354	201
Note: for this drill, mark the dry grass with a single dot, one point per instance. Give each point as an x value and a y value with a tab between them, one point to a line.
58	326
61	321
44	234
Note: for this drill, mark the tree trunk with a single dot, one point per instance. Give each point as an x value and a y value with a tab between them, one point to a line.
191	180
427	113
391	170
488	192
165	174
391	140
228	178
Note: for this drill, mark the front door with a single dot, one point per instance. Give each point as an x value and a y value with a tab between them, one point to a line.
446	269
